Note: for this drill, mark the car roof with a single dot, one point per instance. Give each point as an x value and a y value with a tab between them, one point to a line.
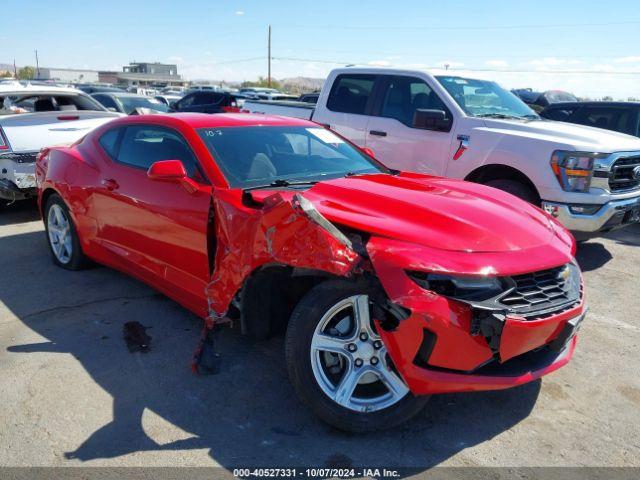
204	120
19	89
121	94
593	104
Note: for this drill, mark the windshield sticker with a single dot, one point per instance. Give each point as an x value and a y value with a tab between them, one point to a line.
325	135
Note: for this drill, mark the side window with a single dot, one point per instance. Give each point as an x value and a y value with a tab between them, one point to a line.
608	118
186	101
143	145
404	95
559	114
109	142
350	93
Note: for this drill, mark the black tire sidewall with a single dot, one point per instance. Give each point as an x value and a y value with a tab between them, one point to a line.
301	328
78	259
515	188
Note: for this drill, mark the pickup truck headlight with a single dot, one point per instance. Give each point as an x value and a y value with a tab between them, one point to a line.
470	288
573	170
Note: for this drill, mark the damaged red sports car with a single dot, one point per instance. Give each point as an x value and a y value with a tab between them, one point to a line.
391	286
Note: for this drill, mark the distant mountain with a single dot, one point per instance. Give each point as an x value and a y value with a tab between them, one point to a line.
301	84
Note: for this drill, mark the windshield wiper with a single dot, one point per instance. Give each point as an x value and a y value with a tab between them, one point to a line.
282	183
501	115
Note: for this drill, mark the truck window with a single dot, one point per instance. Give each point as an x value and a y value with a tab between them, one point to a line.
560	114
609	118
402	96
351	93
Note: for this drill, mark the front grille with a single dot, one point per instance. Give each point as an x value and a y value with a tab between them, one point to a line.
24	157
543	293
622	177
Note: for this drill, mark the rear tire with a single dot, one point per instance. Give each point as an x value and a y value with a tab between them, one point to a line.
62	237
322	372
514	187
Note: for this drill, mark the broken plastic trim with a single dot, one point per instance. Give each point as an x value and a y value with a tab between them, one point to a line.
307	207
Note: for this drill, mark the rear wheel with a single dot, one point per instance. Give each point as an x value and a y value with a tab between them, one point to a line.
338	364
62	236
514	187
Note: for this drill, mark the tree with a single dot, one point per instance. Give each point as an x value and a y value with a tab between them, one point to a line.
262	82
5	74
26	73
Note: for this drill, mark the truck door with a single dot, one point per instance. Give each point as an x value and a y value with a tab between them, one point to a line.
348	105
391	134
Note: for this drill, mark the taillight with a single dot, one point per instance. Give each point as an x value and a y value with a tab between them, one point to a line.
4	145
231	109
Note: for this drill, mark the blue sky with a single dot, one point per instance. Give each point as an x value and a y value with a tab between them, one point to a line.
526	43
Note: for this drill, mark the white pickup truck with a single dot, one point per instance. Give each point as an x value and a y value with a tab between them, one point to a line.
37	116
472	129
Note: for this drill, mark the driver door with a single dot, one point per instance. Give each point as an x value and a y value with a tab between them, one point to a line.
390	132
154	229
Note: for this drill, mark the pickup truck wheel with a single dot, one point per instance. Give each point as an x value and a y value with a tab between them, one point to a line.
514	187
62	236
338	364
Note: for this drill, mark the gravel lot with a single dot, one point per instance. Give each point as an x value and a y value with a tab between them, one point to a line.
72	393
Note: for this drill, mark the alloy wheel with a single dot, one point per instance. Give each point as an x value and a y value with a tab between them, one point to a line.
350	363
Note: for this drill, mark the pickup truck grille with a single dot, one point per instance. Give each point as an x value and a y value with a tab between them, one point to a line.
24	157
544	293
622	177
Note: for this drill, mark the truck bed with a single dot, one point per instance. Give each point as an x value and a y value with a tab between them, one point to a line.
285	108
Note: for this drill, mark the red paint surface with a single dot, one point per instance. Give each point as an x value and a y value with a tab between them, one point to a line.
155	229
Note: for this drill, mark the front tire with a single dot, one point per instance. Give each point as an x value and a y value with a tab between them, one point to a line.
516	188
62	236
339	366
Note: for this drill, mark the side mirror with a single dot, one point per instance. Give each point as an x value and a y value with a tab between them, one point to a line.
171	171
432	120
368	151
167	170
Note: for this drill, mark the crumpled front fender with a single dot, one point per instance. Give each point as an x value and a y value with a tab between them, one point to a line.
278	232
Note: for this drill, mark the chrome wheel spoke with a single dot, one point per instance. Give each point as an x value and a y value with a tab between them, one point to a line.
59	234
329	343
391	380
348	383
362	316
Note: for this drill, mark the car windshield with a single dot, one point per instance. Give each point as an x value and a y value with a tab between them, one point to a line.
131	103
261	156
482	98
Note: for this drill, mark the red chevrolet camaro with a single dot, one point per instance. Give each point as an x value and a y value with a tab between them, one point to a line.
391	286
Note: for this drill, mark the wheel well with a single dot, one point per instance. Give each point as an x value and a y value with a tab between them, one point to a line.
270	294
45	196
487	173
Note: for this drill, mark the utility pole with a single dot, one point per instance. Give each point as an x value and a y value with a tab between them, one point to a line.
15	70
269	59
37	66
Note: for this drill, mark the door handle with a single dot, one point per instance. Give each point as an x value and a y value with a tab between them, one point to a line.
378	133
109	184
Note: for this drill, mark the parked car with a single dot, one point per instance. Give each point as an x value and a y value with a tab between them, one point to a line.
476	130
539	100
206	102
391	285
129	103
257	92
617	116
90	88
32	117
168	99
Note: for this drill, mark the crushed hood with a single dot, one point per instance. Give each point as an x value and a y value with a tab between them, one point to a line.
431	211
579	137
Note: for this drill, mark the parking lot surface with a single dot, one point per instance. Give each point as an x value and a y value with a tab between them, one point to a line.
73	394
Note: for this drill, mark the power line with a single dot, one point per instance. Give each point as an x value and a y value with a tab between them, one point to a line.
466	69
468	27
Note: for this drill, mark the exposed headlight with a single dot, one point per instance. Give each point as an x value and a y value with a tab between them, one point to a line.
573	170
463	288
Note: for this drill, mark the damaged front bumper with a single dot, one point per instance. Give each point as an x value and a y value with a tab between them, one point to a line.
445	345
